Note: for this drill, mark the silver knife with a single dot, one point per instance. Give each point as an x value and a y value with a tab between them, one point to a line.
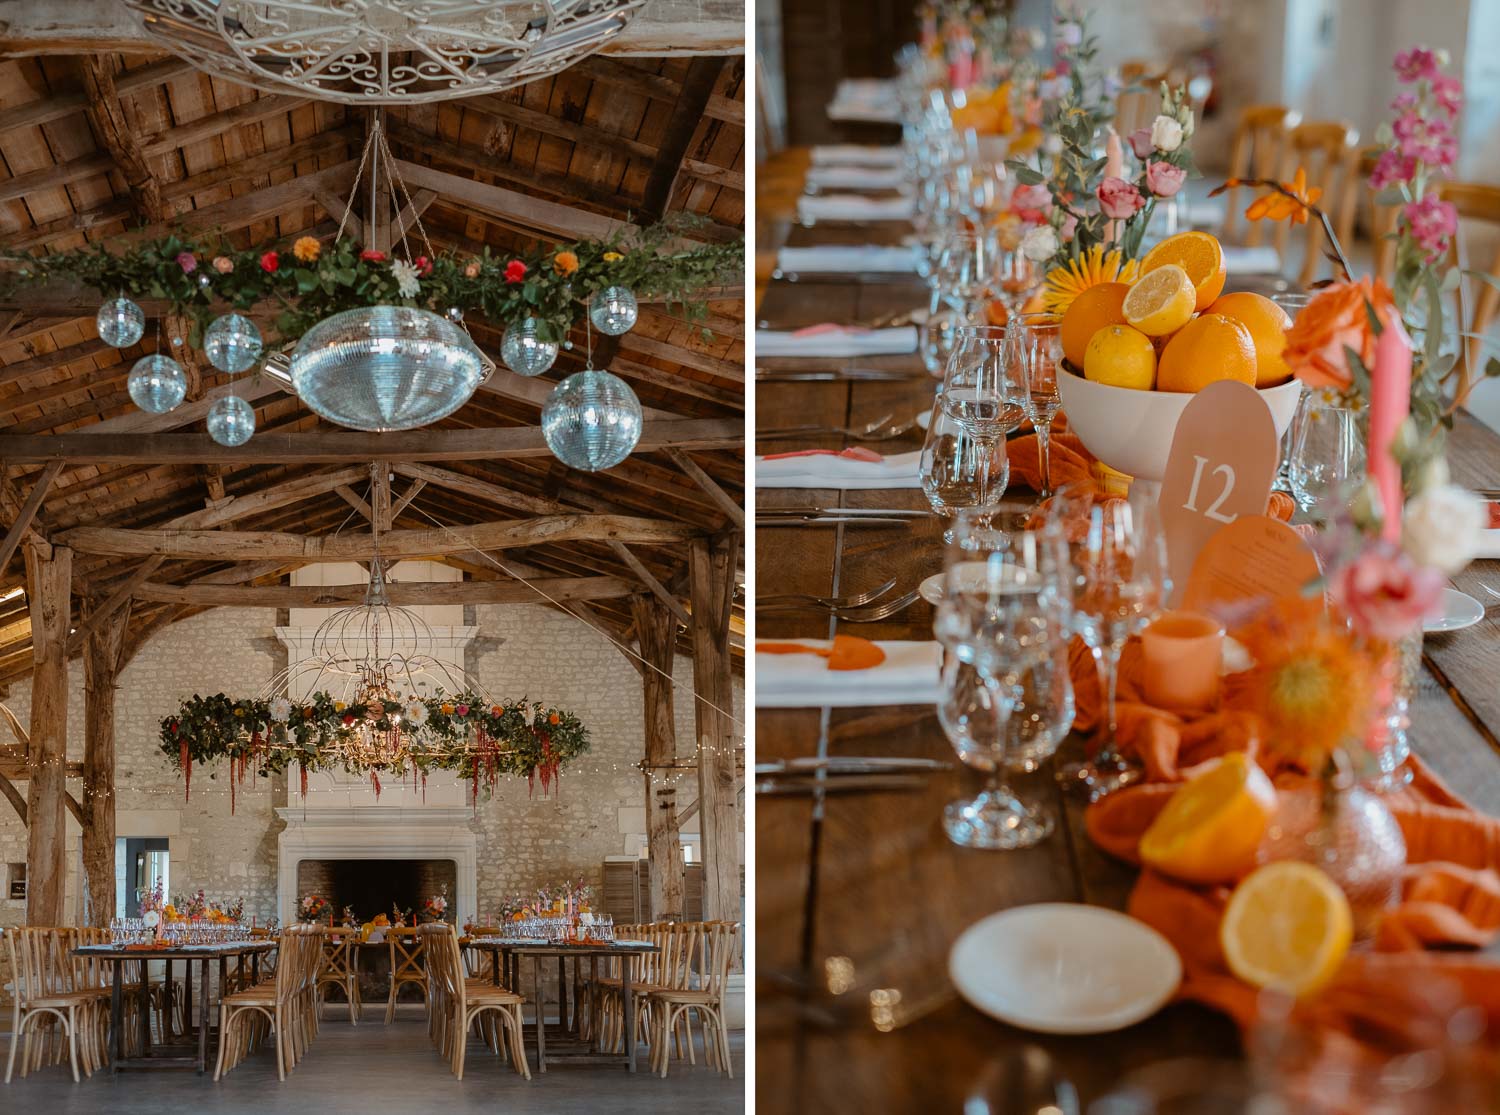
829	520
815	512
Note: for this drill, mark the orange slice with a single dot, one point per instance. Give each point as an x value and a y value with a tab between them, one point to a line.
1211	829
1160	302
1199	254
1287	927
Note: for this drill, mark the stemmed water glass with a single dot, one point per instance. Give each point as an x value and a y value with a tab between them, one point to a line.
1017	277
1038	348
1002	606
967	269
963	464
1120	582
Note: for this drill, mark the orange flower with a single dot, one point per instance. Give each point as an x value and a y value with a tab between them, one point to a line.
1338	318
1313	684
565	263
1279	207
553	718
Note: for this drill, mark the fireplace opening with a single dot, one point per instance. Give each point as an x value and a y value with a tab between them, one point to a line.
376	886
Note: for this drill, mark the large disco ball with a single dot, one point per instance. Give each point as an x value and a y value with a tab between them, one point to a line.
592	420
386	368
614	310
524	351
231	421
232	343
157	383
121	322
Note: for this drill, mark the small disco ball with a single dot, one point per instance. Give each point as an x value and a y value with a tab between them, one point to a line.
231	421
157	383
592	420
232	343
614	311
524	352
121	322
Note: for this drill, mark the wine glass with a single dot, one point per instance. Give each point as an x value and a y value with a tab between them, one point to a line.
1017	277
1293	302
1120	582
963	463
1038	344
999	614
967	269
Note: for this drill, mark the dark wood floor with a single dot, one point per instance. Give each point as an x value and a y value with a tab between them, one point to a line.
374	1069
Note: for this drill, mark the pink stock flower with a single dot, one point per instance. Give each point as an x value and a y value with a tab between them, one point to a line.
1163	179
1068	227
1433	224
1031	200
1140	142
1416	64
1449	93
1392	167
1384	594
1428	141
1119	200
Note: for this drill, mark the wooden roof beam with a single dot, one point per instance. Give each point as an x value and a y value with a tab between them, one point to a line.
697	87
405	593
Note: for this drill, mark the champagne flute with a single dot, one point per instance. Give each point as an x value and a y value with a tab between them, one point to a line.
1038	341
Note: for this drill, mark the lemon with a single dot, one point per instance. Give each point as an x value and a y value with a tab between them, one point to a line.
1211	829
1161	301
1287	927
1120	356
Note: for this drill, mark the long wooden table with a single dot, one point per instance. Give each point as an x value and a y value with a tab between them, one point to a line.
862	892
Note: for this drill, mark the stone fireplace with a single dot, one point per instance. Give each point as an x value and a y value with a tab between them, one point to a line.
374	886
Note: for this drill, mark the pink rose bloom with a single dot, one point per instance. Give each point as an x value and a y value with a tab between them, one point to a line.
463	710
1140	142
188	262
1384	595
1119	200
1416	64
1163	179
1068	227
1433	224
1031	201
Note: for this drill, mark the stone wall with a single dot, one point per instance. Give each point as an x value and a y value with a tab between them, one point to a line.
526	840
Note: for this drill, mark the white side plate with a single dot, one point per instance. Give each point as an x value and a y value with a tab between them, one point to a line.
1460	610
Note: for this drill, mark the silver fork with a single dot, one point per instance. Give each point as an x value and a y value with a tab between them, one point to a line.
800	599
877	611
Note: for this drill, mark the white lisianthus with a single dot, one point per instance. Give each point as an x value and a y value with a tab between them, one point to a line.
1040	244
416	713
1441	527
406	278
1166	134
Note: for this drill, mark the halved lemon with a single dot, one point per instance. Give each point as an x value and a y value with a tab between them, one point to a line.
1212	828
1199	254
1160	302
1287	927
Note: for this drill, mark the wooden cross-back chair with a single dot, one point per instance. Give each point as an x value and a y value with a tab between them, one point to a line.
1256	151
337	969
700	990
456	1004
1140	99
59	1002
284	1004
1477	302
1328	151
408	967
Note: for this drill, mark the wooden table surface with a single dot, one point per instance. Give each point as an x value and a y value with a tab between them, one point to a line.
862	891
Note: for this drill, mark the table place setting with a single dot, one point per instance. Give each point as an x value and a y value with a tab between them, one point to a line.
847	469
831	340
846	672
854	208
848	260
849	177
857	154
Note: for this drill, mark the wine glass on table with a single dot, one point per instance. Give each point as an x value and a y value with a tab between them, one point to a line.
998	620
1016	277
967	270
1119	584
1038	344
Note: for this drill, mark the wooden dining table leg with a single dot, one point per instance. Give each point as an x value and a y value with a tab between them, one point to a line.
562	994
145	1008
628	1007
495	967
541	1015
202	1012
117	1017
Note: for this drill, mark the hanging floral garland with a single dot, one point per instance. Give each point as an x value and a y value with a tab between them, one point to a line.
312	281
464	733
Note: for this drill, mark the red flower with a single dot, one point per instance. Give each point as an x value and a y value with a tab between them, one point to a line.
423	266
515	271
348	719
270	262
372	257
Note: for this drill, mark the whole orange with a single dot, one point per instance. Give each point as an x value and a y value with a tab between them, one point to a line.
1090	312
1268	324
1209	348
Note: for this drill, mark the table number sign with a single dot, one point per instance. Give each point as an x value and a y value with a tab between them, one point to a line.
1221	467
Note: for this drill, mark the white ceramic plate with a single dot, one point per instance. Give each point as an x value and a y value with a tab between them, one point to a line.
931	590
1460	610
1064	968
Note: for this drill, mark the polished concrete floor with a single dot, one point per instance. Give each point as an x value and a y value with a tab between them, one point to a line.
373	1068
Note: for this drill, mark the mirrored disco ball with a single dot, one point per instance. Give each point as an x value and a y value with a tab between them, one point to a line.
232	343
592	420
524	352
386	368
231	421
157	383
121	322
613	310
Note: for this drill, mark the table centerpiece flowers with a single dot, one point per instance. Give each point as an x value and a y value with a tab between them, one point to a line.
312	908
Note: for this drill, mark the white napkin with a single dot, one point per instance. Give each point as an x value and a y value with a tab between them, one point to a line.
856	154
855	207
908	676
856	177
1260	260
1489	544
844	342
869	99
900	470
850	259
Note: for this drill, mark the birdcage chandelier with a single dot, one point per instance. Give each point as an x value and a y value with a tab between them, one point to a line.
375	52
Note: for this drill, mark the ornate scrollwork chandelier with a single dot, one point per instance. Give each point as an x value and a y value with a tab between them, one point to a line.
374	52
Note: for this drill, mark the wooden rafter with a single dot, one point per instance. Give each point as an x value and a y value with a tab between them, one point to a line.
400	592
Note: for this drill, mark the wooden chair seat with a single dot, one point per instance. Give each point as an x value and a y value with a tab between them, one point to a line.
490	995
260	993
66	998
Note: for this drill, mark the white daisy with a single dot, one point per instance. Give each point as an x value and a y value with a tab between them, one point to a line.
281	708
416	713
406	278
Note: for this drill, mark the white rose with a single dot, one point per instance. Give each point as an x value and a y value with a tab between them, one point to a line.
1166	134
1441	527
1040	244
281	708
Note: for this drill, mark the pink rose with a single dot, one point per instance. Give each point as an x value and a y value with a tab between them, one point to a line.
1119	200
1384	595
1140	142
1031	200
1163	179
463	710
188	262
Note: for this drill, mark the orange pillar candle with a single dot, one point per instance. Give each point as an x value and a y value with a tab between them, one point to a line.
1182	652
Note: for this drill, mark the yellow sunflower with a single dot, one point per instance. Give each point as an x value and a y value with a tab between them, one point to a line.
1066	283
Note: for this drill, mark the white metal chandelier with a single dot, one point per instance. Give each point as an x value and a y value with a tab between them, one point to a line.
375	52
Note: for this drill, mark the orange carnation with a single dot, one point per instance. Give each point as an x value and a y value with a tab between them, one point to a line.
1336	319
565	263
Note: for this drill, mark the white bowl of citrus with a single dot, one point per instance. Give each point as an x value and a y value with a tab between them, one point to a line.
1145	348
